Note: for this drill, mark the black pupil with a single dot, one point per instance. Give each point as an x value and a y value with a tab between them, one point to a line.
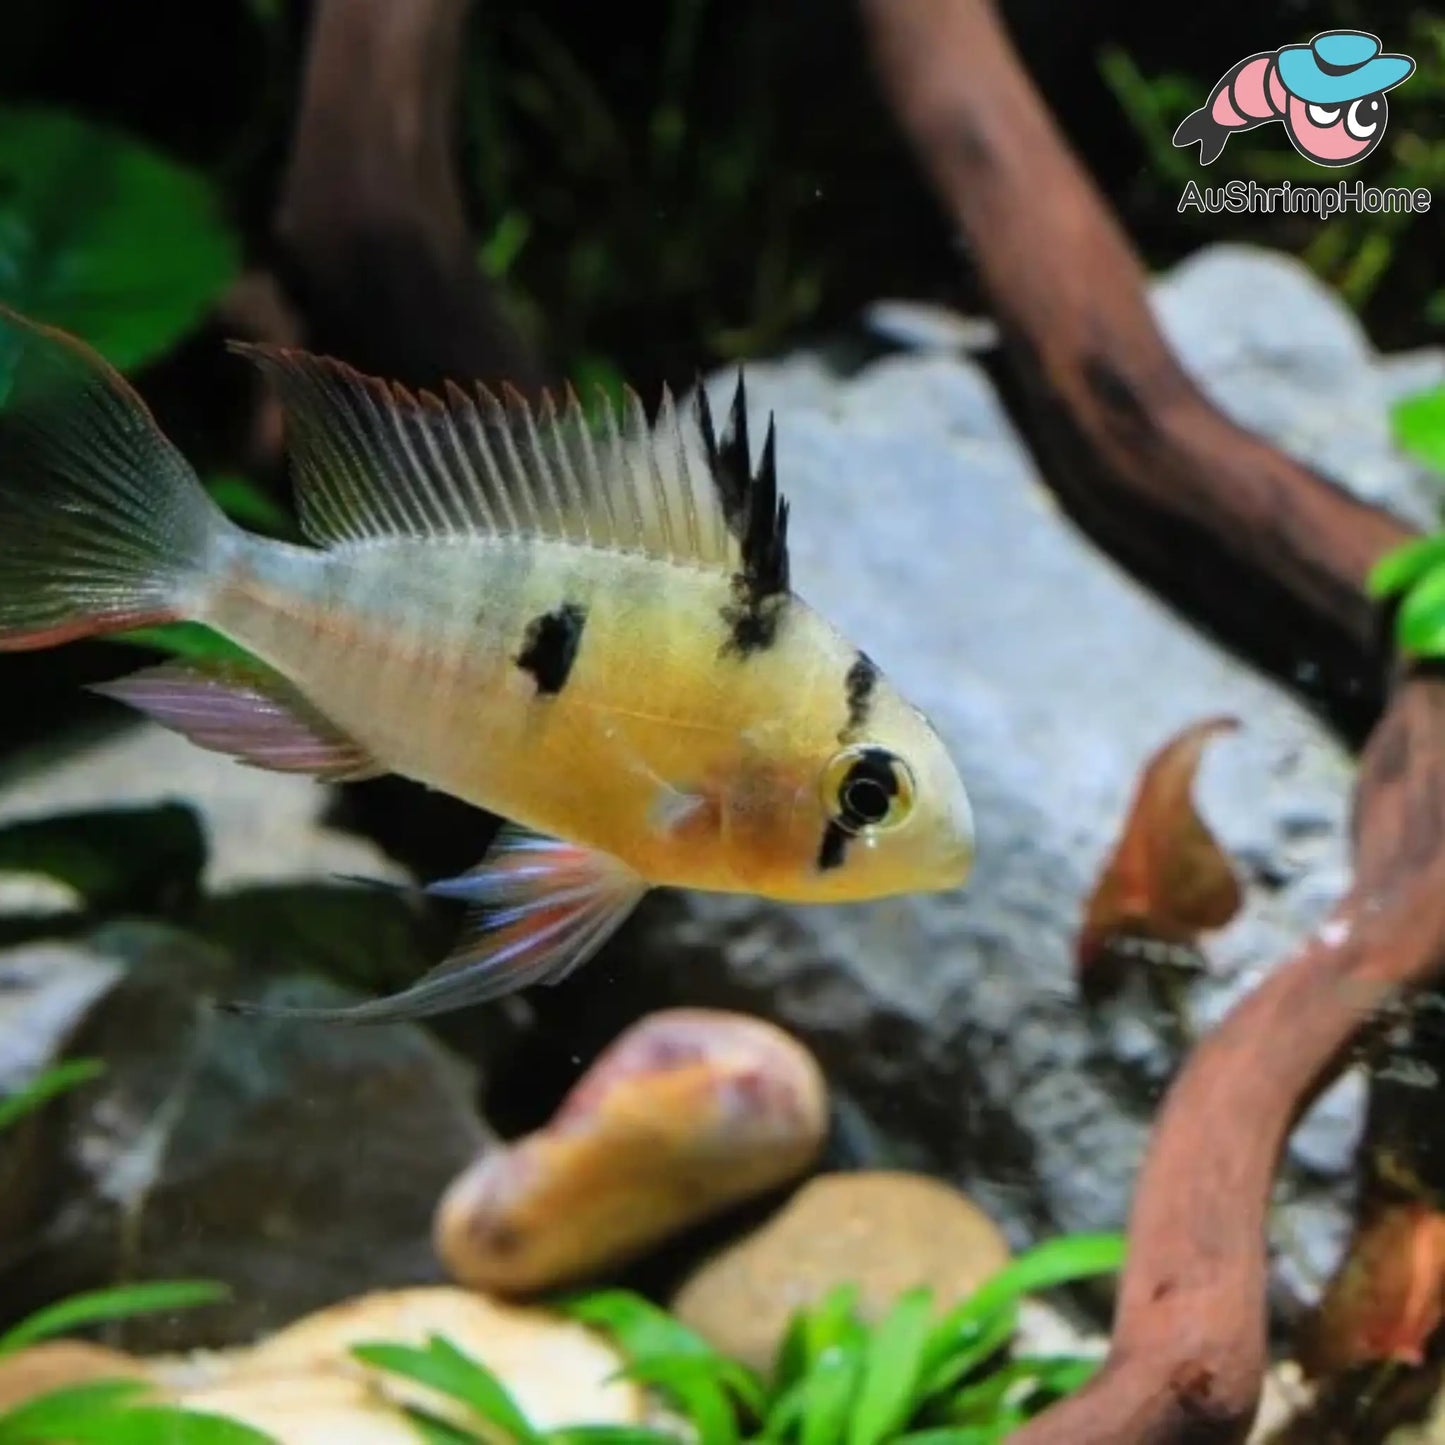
868	791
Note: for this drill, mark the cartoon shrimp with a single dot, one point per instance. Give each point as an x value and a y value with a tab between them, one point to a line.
1330	94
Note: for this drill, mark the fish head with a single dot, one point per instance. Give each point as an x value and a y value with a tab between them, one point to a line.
842	815
893	813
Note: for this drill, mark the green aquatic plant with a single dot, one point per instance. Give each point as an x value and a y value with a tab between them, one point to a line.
103	1412
1411	578
104	237
910	1377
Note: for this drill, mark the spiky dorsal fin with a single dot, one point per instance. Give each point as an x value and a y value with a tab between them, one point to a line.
372	459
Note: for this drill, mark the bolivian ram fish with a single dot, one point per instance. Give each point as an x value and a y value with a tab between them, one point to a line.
585	628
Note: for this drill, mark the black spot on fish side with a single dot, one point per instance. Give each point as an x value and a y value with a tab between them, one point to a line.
752	622
833	848
550	647
862	678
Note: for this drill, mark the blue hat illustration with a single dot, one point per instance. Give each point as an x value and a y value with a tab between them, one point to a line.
1339	66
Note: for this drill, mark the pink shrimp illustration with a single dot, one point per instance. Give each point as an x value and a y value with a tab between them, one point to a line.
1330	94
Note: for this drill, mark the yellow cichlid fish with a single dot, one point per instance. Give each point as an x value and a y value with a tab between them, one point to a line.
586	629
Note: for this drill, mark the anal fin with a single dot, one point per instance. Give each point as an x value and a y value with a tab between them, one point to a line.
540	908
247	711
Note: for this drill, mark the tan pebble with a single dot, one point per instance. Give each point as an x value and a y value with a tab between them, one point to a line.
887	1231
557	1370
55	1364
688	1112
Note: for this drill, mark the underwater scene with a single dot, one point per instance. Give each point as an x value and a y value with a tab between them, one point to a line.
724	723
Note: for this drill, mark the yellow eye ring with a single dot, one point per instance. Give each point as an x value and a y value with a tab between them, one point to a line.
868	789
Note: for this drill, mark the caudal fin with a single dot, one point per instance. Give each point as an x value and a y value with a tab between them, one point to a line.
103	524
1201	127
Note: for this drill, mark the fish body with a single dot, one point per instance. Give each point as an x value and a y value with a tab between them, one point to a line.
589	631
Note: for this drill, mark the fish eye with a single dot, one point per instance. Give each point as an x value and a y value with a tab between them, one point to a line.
1325	115
1363	118
868	790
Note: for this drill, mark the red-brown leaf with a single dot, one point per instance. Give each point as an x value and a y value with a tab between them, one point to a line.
1389	1295
1168	880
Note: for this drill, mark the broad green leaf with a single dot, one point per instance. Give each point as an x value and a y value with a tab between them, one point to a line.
441	1366
101	1306
1419	426
106	238
1403	567
52	1082
891	1367
640	1329
1420	623
695	1386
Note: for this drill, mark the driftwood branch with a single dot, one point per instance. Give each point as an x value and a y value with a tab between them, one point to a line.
372	237
1272	556
1250	542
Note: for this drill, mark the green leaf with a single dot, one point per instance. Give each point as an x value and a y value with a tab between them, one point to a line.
640	1329
433	1430
1031	1382
695	1385
610	1435
190	641
832	1323
970	1353
160	1425
1419	426
101	1306
104	237
441	1366
891	1368
975	1329
1420	623
1402	568
43	1417
828	1395
52	1082
110	1412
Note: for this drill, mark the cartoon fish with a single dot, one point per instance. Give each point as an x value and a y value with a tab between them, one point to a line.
587	630
1330	94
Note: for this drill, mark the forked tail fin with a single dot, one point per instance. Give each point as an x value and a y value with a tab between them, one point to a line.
103	524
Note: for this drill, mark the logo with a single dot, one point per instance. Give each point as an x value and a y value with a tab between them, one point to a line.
1329	95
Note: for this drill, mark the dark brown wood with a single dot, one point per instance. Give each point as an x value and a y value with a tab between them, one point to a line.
372	239
1225	526
1273	556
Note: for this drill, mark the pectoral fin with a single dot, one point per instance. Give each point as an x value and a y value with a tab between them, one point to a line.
245	710
540	908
